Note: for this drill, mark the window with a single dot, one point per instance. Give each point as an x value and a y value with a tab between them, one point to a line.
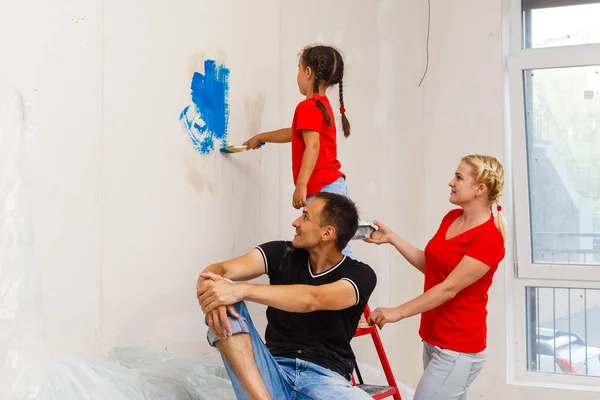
554	96
562	121
553	23
563	330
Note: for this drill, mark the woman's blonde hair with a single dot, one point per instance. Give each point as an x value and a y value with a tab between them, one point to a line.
489	171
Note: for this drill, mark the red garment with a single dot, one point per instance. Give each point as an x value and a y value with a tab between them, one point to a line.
460	324
327	168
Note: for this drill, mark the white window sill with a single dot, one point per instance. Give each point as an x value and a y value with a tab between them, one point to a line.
556	381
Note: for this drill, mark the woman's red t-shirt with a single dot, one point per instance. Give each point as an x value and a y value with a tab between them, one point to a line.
327	168
460	324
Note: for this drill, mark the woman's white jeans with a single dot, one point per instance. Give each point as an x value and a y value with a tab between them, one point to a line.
448	374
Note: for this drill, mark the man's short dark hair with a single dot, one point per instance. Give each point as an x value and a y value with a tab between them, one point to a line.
341	213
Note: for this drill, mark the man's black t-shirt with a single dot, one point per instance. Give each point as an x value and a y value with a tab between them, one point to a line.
320	337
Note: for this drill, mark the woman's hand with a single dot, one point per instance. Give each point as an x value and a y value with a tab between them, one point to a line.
382	235
382	316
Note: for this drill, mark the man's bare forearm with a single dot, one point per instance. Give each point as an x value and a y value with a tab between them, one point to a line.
291	298
216	269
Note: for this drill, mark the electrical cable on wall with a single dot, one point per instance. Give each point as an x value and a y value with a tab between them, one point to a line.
427	42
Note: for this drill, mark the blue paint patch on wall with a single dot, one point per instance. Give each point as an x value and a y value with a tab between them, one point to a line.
206	119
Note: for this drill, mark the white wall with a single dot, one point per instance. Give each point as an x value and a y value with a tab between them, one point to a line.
51	52
126	213
167	211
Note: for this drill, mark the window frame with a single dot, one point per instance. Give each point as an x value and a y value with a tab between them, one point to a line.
519	61
522	272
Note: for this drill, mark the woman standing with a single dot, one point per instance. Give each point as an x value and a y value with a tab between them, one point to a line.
459	263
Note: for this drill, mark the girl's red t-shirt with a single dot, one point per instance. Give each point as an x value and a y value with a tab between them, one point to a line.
327	168
460	324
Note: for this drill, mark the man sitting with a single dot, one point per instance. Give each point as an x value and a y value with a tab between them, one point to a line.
315	299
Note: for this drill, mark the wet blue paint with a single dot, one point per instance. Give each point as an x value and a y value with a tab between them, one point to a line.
207	118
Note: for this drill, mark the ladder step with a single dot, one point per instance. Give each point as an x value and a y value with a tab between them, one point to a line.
367	330
378	392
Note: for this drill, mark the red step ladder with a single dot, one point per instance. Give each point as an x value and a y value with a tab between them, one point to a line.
377	392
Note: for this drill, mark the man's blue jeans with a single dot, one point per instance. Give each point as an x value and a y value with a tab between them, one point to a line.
286	378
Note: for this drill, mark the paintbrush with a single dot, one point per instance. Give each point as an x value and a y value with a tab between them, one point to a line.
365	228
237	149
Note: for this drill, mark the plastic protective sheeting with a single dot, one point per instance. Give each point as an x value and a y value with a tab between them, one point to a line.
21	343
129	374
26	372
204	378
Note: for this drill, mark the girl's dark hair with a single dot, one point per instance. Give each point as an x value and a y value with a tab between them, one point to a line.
328	65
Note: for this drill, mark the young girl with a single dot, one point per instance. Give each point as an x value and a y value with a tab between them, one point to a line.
315	166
